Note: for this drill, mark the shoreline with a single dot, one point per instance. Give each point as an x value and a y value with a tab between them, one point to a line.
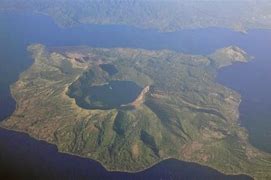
125	171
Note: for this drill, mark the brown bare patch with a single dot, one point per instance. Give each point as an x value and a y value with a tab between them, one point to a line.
208	134
251	153
135	150
189	149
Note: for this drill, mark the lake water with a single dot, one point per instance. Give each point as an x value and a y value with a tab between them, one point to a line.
253	81
25	157
108	96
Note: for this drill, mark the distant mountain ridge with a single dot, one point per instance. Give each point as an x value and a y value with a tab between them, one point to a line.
159	14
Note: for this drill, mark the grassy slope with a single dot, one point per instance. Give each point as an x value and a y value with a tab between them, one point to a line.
186	114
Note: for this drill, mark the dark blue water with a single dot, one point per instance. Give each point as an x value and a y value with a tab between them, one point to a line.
253	81
23	156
